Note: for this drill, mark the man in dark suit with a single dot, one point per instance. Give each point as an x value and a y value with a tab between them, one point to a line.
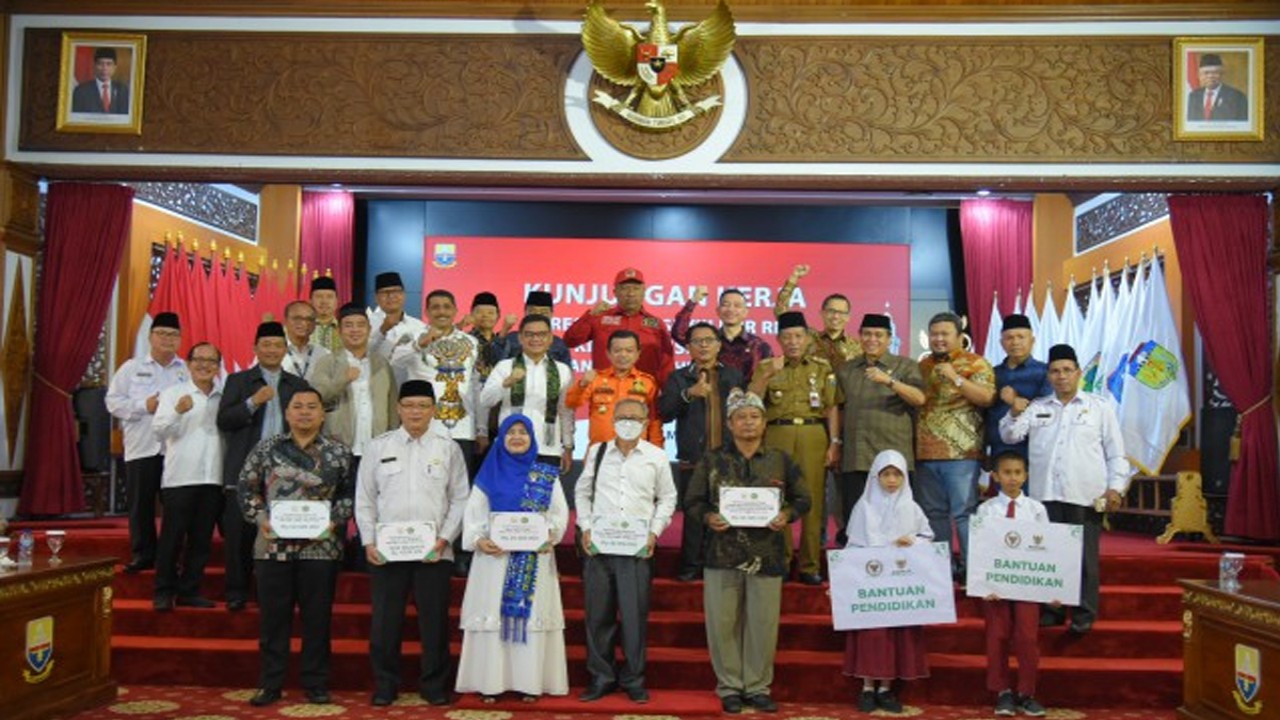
252	409
1215	100
102	94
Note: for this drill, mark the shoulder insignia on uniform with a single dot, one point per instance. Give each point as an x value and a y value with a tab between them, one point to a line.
650	322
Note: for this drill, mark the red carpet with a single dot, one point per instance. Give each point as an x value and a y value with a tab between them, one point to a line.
1132	659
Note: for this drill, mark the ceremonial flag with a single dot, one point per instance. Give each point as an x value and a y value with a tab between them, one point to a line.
1157	398
1095	332
163	299
991	350
1033	316
1121	334
1071	328
1050	333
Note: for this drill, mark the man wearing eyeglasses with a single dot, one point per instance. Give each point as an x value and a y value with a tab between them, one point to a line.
301	354
133	397
393	330
831	343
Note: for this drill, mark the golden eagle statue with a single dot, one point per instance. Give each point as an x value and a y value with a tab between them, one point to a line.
658	67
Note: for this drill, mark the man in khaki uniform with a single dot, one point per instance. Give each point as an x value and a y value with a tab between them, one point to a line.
801	408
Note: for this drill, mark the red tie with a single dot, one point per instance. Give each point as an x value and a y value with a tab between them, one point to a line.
1012	508
106	97
1208	104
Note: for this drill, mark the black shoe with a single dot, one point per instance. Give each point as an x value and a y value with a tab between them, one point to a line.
265	697
1030	707
235	605
888	702
195	601
1006	705
867	701
162	603
731	704
595	691
435	697
461	568
1081	626
318	696
688	575
638	695
137	565
810	579
762	701
1049	618
382	699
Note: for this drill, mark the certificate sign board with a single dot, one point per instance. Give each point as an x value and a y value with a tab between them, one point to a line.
299	519
1017	560
750	506
891	586
518	531
406	541
619	534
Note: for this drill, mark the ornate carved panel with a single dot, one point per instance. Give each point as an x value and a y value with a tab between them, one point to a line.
329	94
981	100
205	203
1116	217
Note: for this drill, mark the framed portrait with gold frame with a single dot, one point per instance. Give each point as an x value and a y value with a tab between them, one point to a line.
1217	88
100	83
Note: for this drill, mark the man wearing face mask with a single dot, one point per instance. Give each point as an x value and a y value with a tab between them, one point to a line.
602	390
657	354
627	478
739	349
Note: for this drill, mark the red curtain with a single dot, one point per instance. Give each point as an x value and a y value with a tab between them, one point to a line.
996	235
86	232
326	243
1222	249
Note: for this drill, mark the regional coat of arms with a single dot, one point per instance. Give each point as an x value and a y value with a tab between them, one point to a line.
658	67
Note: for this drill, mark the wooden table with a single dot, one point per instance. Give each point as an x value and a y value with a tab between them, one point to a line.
1231	651
55	637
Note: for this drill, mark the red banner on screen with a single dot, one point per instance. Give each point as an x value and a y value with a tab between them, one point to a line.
579	273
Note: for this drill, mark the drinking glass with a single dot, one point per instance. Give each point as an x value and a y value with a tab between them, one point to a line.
55	538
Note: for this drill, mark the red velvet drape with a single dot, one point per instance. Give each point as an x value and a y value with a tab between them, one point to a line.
86	232
326	239
996	235
1222	249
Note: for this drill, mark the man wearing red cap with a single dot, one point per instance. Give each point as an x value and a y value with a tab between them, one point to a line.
657	354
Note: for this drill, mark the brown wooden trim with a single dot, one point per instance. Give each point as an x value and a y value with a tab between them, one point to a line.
994	182
743	10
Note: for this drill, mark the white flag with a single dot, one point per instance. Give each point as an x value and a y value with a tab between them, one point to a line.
1101	298
1033	317
1122	334
1156	397
992	350
1071	330
1050	333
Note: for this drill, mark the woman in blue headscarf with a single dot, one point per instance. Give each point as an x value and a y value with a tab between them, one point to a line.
512	617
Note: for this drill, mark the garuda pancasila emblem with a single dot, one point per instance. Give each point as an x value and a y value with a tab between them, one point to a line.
658	67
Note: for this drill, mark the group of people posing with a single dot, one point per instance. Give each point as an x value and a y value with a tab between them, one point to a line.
389	420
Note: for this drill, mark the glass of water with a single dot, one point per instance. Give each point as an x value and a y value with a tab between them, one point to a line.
1229	568
55	538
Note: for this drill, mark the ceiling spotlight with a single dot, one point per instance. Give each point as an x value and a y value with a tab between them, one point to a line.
984	192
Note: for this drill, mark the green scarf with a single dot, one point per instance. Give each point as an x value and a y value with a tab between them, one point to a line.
553	393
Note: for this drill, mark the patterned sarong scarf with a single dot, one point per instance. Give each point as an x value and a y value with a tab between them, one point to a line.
553	395
522	567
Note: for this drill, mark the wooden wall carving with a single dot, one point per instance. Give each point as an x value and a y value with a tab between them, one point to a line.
329	94
815	99
985	100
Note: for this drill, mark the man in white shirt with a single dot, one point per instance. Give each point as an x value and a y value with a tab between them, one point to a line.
625	477
394	330
186	421
133	397
533	384
356	384
301	353
1077	467
411	475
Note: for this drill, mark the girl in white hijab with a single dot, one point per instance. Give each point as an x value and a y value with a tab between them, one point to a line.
886	515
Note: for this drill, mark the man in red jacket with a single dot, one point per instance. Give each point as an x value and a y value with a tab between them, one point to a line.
657	354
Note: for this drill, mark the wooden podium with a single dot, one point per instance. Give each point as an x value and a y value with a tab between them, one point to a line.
1230	651
55	637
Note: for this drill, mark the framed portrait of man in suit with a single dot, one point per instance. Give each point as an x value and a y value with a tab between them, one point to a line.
100	83
1217	88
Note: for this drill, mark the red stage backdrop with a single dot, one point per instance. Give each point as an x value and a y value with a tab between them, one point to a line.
579	273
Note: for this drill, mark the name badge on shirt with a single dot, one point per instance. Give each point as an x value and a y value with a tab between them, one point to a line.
611	320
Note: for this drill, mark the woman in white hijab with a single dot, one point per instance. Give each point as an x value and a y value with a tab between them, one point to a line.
886	515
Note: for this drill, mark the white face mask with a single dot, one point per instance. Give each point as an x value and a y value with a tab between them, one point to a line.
628	430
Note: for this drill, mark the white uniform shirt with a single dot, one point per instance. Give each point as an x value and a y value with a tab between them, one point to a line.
560	437
1075	451
637	485
136	380
397	341
299	361
193	447
449	364
1027	509
403	479
361	402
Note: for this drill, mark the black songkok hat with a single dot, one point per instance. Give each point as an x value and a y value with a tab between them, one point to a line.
538	298
484	298
166	320
1016	321
350	309
1210	60
109	53
323	282
269	329
417	388
387	280
876	320
790	320
1063	352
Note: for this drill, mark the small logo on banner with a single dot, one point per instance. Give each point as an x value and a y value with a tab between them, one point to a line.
1248	679
874	568
1012	539
39	650
445	255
